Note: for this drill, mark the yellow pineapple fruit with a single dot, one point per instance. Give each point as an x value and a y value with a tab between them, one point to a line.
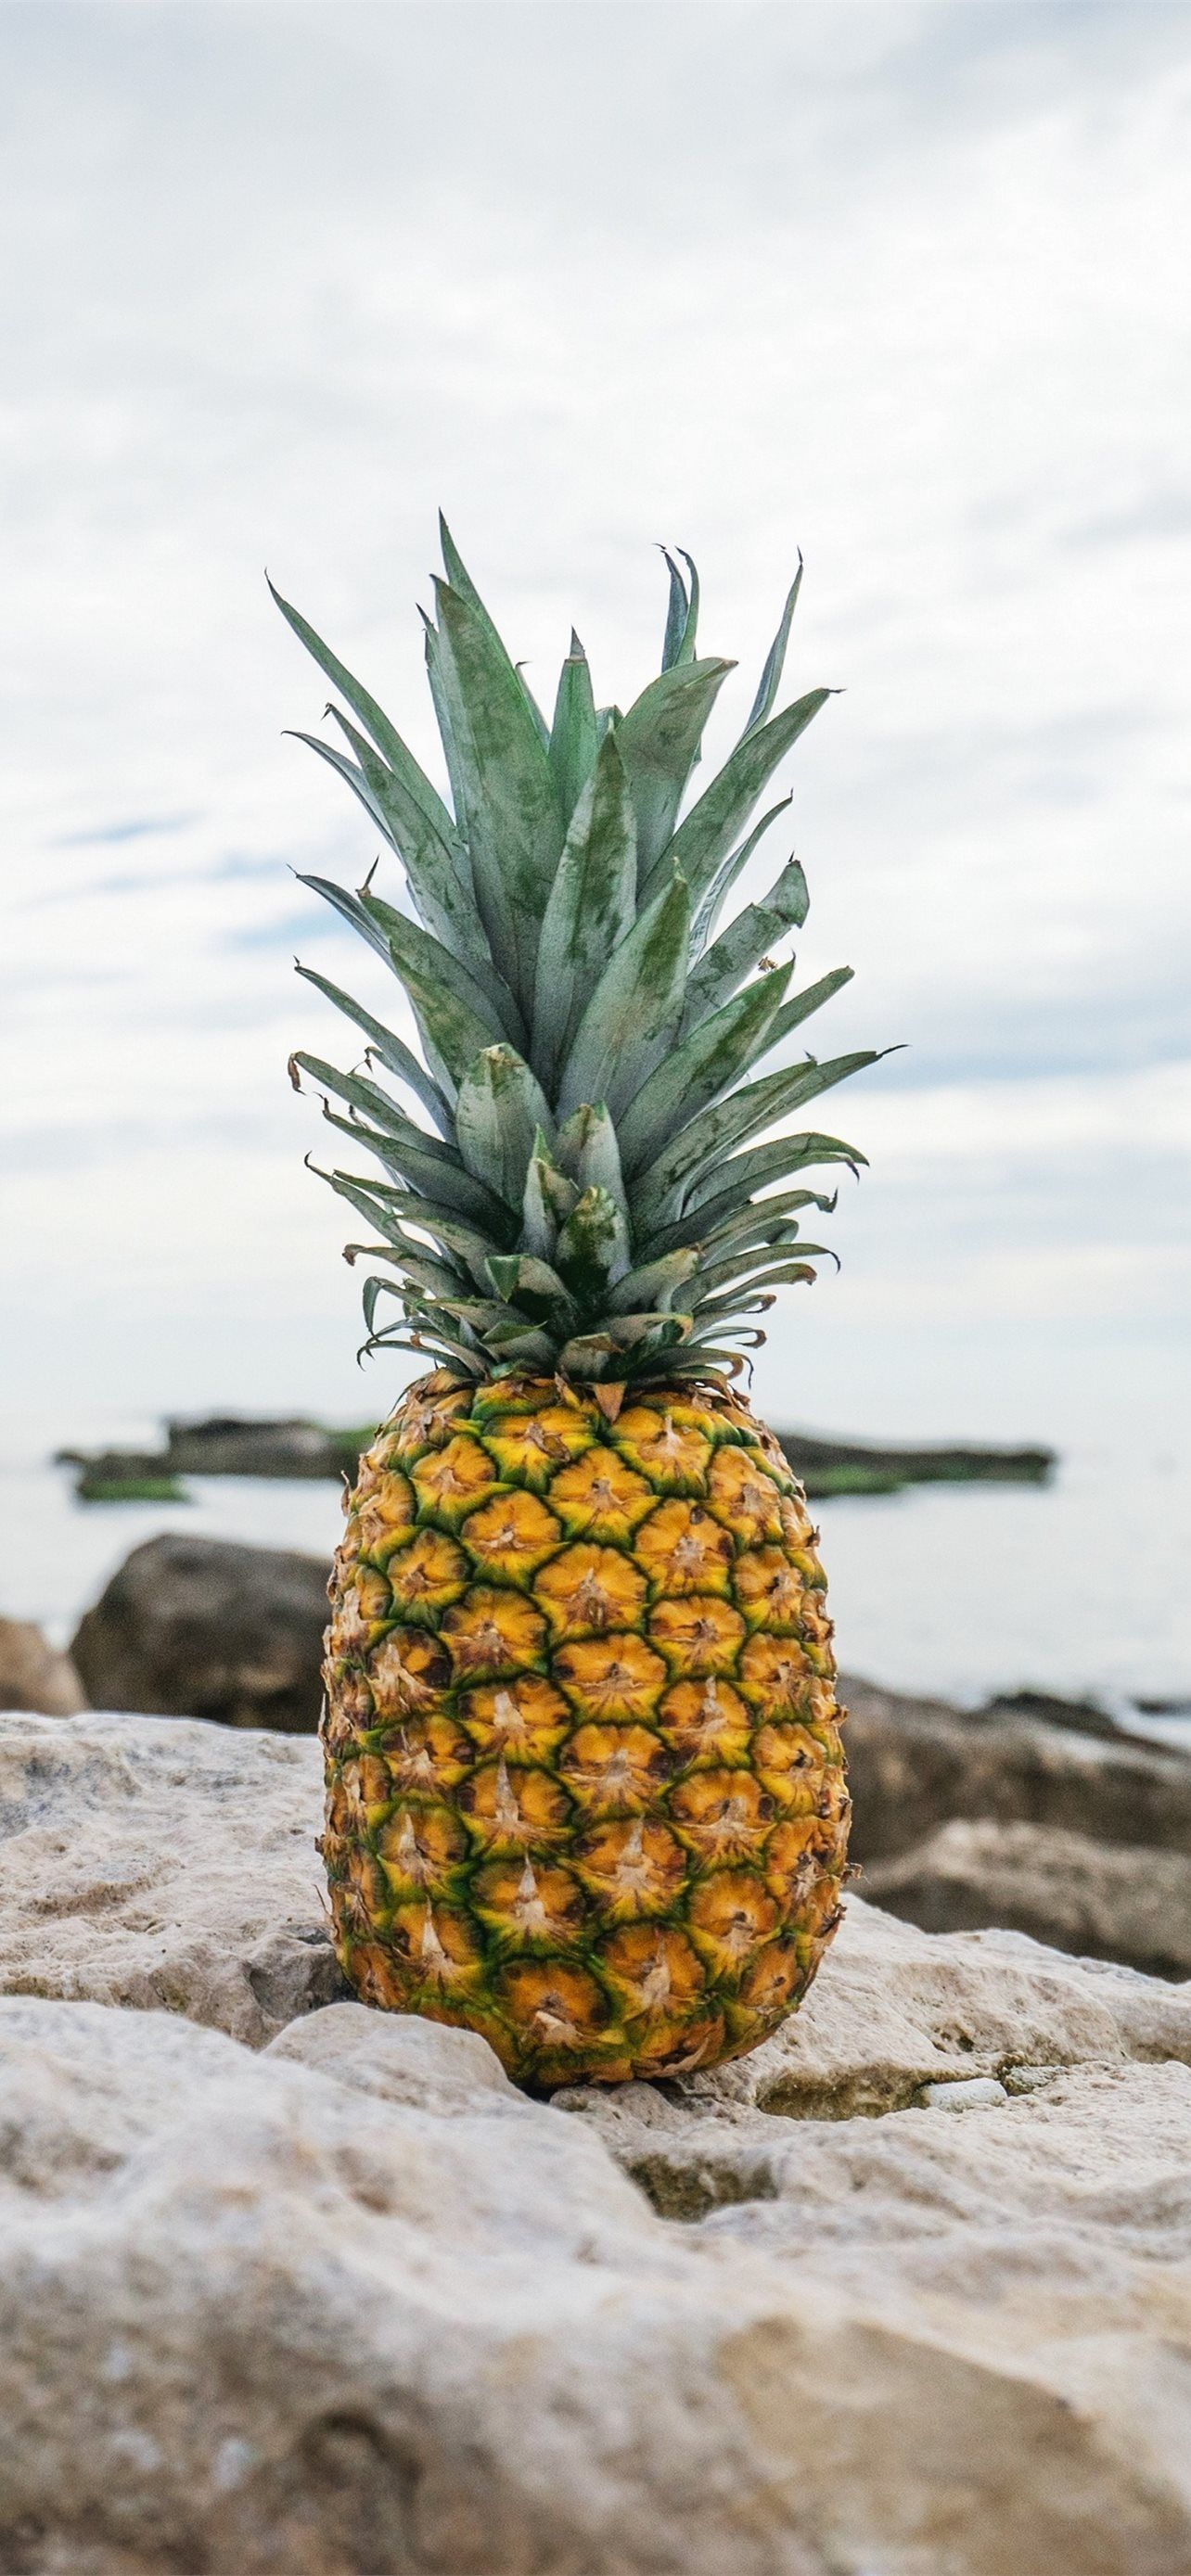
585	1785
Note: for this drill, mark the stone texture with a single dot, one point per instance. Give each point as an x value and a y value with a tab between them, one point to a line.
354	2307
163	1863
202	1627
1102	1900
34	1675
905	2293
916	1763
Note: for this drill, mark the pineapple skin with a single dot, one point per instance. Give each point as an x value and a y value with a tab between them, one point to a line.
585	1782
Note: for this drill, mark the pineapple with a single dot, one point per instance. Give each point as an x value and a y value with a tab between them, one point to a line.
585	1784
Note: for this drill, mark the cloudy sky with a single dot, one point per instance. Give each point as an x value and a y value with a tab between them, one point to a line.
901	285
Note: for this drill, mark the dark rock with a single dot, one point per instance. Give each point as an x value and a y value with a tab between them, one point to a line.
1098	1900
34	1676
1082	1716
816	1460
199	1627
228	1445
916	1763
225	1445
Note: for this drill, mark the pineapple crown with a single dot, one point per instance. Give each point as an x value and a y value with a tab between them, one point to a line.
584	1193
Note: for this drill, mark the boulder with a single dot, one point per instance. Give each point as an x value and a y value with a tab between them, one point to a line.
1105	1900
165	1864
354	2307
34	1675
906	2292
203	1627
916	1763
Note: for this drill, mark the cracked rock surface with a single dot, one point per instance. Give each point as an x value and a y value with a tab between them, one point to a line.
905	2293
166	1863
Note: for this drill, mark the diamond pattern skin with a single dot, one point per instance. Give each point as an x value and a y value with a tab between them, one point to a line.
585	1784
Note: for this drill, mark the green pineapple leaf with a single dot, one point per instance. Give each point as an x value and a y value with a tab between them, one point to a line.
707	911
659	741
591	908
801	1006
397	1058
536	1287
654	1285
357	1090
385	735
416	1167
514	818
728	1185
635	1009
682	613
586	1150
706	1063
349	905
593	1249
388	1210
454	1015
439	871
744	943
460	580
706	835
499	1115
712	1135
574	740
775	660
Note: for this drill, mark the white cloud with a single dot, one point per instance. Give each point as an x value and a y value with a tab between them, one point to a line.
899	284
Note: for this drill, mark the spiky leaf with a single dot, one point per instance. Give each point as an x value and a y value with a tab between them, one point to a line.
635	1008
500	1112
708	1062
706	835
658	741
591	909
746	941
574	740
514	819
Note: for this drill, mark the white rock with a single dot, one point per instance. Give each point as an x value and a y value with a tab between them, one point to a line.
166	1863
971	2093
354	2307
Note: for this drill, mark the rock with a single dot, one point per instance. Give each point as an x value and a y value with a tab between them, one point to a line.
33	1675
202	1627
972	2093
224	1445
916	1763
348	2304
819	1462
1080	1716
354	2307
164	1864
1102	1900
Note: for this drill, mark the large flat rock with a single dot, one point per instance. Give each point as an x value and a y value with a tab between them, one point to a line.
907	2292
353	2307
164	1863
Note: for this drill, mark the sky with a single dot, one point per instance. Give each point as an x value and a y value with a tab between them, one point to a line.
902	286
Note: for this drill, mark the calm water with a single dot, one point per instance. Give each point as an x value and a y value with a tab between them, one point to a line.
1079	1587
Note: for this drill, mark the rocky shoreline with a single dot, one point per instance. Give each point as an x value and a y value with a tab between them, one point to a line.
228	1446
289	2288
